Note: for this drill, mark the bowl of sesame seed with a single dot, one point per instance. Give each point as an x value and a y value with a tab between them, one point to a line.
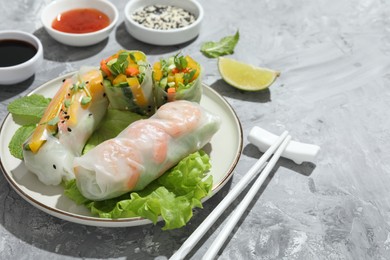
163	22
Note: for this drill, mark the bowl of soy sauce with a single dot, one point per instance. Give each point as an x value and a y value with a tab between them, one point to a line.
21	55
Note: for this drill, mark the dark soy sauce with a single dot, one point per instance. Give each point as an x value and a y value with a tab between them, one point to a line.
14	52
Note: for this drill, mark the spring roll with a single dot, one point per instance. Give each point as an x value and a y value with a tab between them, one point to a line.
69	120
128	82
144	150
177	78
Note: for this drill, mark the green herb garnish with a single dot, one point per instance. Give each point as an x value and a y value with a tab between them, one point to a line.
180	62
224	47
85	100
28	109
18	139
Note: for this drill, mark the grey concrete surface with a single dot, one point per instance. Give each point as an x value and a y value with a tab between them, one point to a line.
333	91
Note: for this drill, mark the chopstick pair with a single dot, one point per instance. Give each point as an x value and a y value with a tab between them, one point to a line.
277	149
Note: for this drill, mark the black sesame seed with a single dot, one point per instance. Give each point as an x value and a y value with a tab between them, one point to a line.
54	166
69	130
63	80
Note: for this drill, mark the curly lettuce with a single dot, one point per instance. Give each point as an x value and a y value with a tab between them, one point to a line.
173	196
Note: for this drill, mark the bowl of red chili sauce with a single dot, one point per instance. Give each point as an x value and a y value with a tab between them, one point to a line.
79	22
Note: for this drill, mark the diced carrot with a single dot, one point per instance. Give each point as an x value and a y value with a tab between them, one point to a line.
171	94
43	129
175	70
171	90
104	68
132	70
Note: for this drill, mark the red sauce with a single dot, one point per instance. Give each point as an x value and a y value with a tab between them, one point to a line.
84	20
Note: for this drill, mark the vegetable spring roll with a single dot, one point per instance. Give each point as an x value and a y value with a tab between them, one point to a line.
128	82
69	120
144	150
177	78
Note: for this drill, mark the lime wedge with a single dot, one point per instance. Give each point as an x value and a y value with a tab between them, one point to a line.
245	76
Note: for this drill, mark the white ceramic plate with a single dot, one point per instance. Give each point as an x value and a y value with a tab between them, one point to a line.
224	150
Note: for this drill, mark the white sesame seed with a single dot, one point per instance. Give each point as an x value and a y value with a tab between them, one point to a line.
163	17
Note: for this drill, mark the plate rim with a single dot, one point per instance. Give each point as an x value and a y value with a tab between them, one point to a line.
105	222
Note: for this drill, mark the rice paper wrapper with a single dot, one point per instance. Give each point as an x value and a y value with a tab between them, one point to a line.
192	92
124	98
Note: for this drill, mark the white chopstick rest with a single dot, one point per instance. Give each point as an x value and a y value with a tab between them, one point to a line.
296	151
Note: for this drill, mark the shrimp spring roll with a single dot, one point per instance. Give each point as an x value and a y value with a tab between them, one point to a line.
177	78
69	120
144	150
128	82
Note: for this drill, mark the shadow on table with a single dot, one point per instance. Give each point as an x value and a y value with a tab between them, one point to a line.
56	51
128	42
226	90
51	234
40	231
251	151
9	91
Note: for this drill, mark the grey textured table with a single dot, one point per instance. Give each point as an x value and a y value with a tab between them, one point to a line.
333	92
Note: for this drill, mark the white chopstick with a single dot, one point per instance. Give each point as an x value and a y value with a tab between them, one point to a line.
232	222
191	241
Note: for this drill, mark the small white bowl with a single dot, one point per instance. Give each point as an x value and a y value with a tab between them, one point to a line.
51	11
20	72
164	37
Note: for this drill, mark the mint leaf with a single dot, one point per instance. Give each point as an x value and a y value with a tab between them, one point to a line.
224	47
112	124
18	139
28	109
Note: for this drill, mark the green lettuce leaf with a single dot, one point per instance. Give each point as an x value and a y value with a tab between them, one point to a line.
112	124
224	47
15	146
172	196
29	109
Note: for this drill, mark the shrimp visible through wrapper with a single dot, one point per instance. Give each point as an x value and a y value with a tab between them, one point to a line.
145	150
